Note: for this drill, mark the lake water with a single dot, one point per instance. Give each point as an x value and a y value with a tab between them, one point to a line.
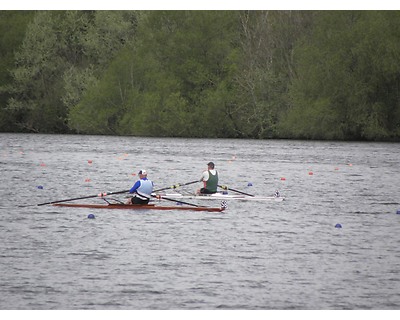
255	255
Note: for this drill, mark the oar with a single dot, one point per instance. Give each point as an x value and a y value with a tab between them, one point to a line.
116	192
176	186
86	197
226	188
174	200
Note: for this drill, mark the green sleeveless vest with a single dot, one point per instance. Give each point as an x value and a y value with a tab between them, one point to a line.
212	182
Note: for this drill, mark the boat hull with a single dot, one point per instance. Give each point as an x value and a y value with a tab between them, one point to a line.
137	207
221	196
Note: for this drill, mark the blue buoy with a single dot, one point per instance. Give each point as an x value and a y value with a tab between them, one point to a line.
398	211
249	184
338	225
91	216
40	187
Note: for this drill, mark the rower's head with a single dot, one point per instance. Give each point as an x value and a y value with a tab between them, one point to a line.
142	173
210	165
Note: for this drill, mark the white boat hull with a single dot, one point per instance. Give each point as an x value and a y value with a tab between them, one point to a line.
221	196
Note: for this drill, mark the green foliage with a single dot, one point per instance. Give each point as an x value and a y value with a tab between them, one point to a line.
97	112
192	52
348	78
63	53
12	31
265	70
168	82
253	74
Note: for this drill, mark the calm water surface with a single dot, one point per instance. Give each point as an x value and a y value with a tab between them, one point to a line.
256	255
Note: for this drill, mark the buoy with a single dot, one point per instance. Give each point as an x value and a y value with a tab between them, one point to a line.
123	156
40	187
338	225
398	211
88	180
249	184
91	216
283	179
310	173
90	161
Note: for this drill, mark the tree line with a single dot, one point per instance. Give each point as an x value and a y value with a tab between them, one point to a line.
224	74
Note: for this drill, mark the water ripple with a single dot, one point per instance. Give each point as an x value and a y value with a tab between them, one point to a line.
256	255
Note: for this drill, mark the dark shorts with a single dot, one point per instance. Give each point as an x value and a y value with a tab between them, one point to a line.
206	191
136	200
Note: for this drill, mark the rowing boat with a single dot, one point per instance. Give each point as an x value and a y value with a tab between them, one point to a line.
138	207
221	196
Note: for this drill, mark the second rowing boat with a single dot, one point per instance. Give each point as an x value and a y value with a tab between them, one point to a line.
221	196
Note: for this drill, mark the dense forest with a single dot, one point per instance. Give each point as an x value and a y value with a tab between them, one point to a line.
228	74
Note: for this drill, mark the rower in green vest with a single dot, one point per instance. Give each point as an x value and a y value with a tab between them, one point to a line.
210	180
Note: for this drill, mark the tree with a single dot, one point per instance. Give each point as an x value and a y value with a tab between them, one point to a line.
62	54
265	69
193	50
12	30
172	81
347	84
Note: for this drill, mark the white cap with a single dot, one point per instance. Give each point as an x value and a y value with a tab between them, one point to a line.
143	172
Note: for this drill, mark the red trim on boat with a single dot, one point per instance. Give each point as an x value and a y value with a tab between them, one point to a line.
137	207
